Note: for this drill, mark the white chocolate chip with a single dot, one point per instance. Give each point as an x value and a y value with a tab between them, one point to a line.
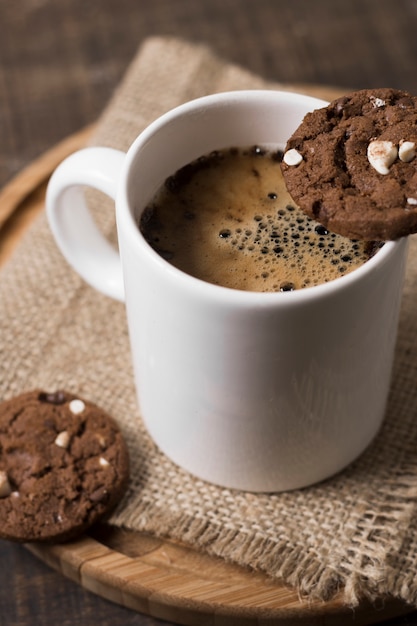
101	440
292	157
407	151
5	488
412	201
76	406
381	155
103	462
377	102
63	439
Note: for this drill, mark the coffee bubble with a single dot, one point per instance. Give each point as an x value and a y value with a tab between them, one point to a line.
228	219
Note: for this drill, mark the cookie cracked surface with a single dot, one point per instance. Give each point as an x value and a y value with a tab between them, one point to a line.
356	172
63	466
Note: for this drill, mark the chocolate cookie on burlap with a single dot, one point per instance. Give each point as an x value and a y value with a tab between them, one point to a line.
63	466
352	165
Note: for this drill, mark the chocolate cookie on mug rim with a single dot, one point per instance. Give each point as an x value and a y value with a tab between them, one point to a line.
352	165
63	466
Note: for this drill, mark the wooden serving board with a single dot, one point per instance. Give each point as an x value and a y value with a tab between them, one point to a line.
151	575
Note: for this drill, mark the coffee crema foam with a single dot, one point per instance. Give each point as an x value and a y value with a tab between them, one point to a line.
228	219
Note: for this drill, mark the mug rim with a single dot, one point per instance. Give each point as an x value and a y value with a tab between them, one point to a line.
125	212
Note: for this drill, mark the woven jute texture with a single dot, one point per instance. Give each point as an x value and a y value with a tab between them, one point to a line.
355	532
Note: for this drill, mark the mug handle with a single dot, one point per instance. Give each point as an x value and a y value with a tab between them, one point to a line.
76	234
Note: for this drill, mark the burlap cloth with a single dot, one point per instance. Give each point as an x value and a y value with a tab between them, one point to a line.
354	532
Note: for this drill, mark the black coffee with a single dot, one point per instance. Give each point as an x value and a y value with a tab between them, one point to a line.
228	219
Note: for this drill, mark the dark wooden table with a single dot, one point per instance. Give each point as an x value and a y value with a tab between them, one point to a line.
60	61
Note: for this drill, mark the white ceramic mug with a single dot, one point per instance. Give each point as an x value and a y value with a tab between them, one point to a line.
254	391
